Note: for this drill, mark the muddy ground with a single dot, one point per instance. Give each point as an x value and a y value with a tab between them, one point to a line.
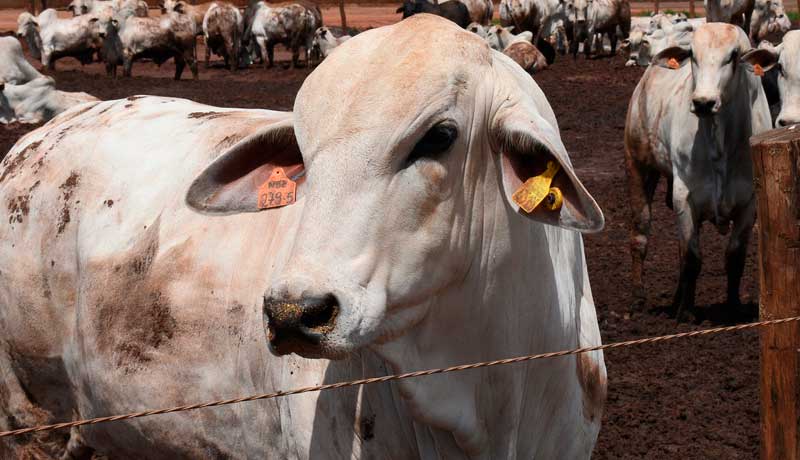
697	398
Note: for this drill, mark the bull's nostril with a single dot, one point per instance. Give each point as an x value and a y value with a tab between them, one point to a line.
320	314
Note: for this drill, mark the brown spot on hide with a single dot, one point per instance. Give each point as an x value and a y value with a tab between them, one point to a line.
19	206
207	115
109	202
133	314
12	162
134	98
593	383
67	189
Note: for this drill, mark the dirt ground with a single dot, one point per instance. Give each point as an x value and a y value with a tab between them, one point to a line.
693	399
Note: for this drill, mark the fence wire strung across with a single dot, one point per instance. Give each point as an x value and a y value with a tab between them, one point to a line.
389	378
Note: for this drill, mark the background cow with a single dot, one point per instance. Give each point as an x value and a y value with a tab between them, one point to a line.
690	120
15	68
223	26
36	100
453	10
292	25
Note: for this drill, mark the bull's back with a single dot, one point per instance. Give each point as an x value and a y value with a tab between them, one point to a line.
87	185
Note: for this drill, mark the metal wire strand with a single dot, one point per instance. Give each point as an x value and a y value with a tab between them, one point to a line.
389	378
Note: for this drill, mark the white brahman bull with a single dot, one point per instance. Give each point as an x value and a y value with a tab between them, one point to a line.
499	37
36	100
326	39
403	250
736	12
769	21
642	46
690	120
14	68
29	29
592	19
223	27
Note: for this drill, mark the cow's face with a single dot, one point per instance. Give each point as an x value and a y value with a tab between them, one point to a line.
578	11
79	7
102	26
26	24
714	55
786	59
494	36
412	139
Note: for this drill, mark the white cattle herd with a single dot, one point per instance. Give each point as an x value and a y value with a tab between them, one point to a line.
289	249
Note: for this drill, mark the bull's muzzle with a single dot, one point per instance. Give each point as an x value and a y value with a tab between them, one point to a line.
299	326
787	120
704	106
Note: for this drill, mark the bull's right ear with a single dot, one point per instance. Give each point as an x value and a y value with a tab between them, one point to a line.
673	57
525	139
230	184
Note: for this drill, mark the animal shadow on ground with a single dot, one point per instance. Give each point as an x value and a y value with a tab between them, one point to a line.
717	314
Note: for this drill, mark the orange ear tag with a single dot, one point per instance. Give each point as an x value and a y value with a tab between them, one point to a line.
530	194
758	70
673	63
277	191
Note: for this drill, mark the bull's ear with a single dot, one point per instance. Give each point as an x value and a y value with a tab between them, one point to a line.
399	10
763	57
673	57
230	184
525	136
71	8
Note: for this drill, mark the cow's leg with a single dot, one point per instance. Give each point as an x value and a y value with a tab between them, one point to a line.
208	55
270	54
612	37
17	411
689	239
191	58
642	184
127	64
180	64
736	252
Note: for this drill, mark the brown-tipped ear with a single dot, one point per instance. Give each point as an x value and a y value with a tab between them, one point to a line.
526	143
765	58
673	57
230	185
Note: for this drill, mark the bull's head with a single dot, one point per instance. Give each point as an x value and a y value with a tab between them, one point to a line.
406	157
714	54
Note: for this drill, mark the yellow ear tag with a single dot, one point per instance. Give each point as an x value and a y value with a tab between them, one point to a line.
758	70
530	194
673	63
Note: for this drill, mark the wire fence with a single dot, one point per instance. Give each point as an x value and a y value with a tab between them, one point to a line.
394	377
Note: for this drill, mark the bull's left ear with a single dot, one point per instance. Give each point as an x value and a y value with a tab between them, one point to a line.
765	58
527	142
231	183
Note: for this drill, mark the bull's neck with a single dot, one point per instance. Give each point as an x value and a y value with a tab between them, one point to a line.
497	311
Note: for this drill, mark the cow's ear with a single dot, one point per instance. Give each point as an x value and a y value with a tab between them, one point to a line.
525	138
673	57
763	58
399	10
231	183
71	8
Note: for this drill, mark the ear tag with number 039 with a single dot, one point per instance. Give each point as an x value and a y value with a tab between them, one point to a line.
758	70
530	194
277	191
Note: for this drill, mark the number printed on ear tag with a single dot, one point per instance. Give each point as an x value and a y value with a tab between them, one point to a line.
277	191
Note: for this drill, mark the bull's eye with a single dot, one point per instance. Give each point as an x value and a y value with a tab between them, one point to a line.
434	143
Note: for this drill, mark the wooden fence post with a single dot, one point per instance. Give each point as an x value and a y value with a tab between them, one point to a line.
776	162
